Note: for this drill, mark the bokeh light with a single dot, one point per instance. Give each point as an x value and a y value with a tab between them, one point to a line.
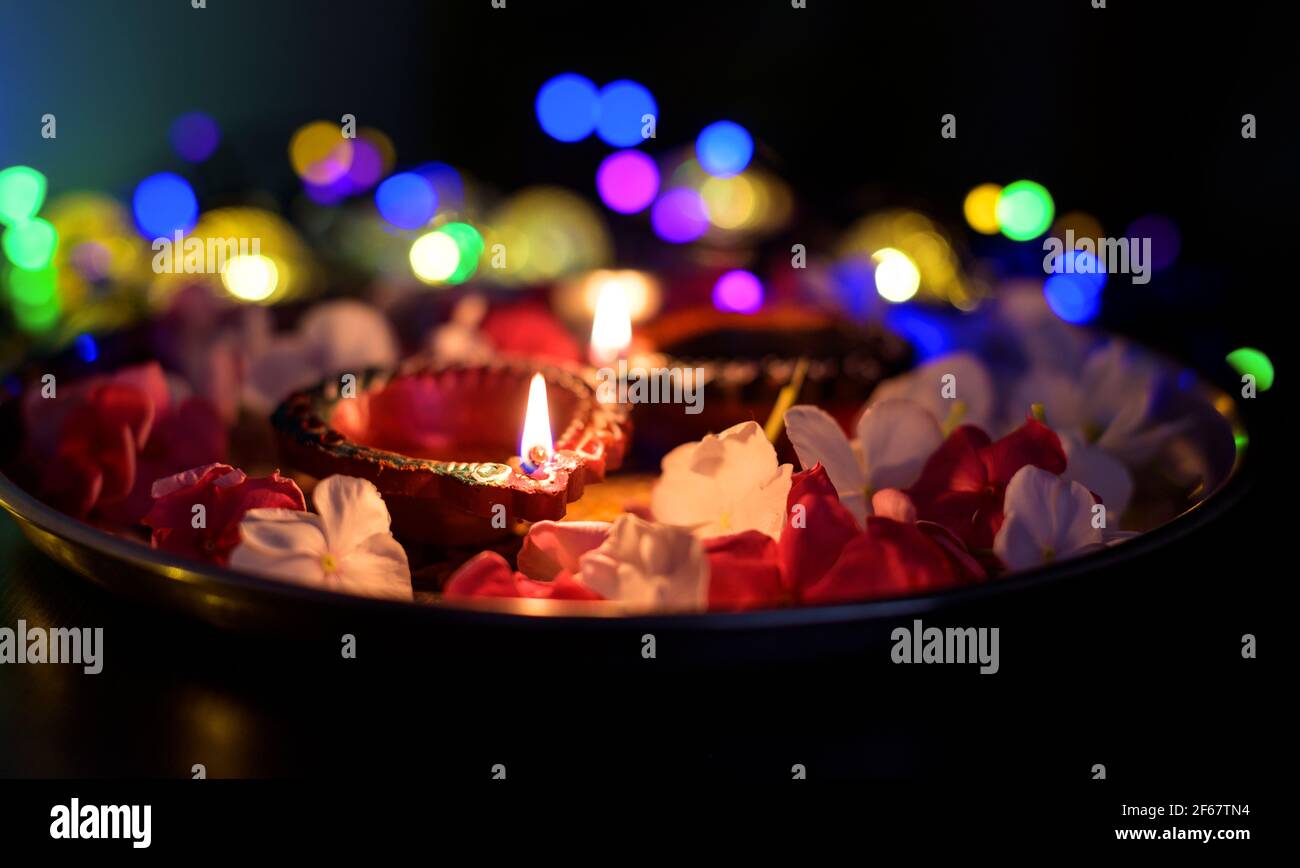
738	291
447	183
924	243
567	107
627	181
164	204
730	202
724	148
251	277
680	216
897	277
1166	241
469	247
621	113
22	191
542	233
406	200
435	257
1073	290
981	208
367	166
36	303
319	153
1081	223
195	136
575	300
86	347
30	245
1025	210
1248	360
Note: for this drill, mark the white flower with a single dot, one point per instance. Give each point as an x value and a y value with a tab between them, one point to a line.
648	564
1108	405
1098	471
895	437
337	337
724	484
954	388
459	340
1046	518
1103	418
346	547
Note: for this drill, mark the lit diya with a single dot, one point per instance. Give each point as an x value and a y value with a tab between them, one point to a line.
443	443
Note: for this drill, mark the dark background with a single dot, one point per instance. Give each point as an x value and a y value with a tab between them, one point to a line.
1120	112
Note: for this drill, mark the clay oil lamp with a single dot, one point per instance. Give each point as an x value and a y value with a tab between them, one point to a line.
443	444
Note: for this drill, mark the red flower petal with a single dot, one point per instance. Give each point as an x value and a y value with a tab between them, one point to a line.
814	534
1032	443
744	572
891	559
71	484
487	574
529	329
954	466
225	494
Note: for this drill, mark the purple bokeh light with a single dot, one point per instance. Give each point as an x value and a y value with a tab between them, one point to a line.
679	216
1166	242
195	136
738	291
627	181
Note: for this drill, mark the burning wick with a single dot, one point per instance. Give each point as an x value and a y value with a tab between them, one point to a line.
611	328
535	445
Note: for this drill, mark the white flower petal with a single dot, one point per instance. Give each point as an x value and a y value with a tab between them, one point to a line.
1062	400
284	366
1046	517
650	565
708	486
351	511
926	385
282	532
349	336
375	568
896	437
1098	471
818	438
553	546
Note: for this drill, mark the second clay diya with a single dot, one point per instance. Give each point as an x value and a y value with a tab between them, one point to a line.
441	444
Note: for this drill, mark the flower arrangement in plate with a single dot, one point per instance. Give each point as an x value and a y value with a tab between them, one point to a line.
459	474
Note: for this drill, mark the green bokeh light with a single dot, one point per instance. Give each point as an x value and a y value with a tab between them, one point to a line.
22	192
470	244
33	288
1248	360
31	244
1025	210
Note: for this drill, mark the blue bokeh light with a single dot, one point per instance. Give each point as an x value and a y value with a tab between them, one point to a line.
87	349
623	107
406	200
164	204
1073	290
724	149
567	107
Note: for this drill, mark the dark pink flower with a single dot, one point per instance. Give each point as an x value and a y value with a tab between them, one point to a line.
225	494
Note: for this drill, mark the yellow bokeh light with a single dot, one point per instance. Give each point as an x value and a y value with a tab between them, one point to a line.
1083	225
981	208
319	152
897	277
730	201
434	257
250	277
